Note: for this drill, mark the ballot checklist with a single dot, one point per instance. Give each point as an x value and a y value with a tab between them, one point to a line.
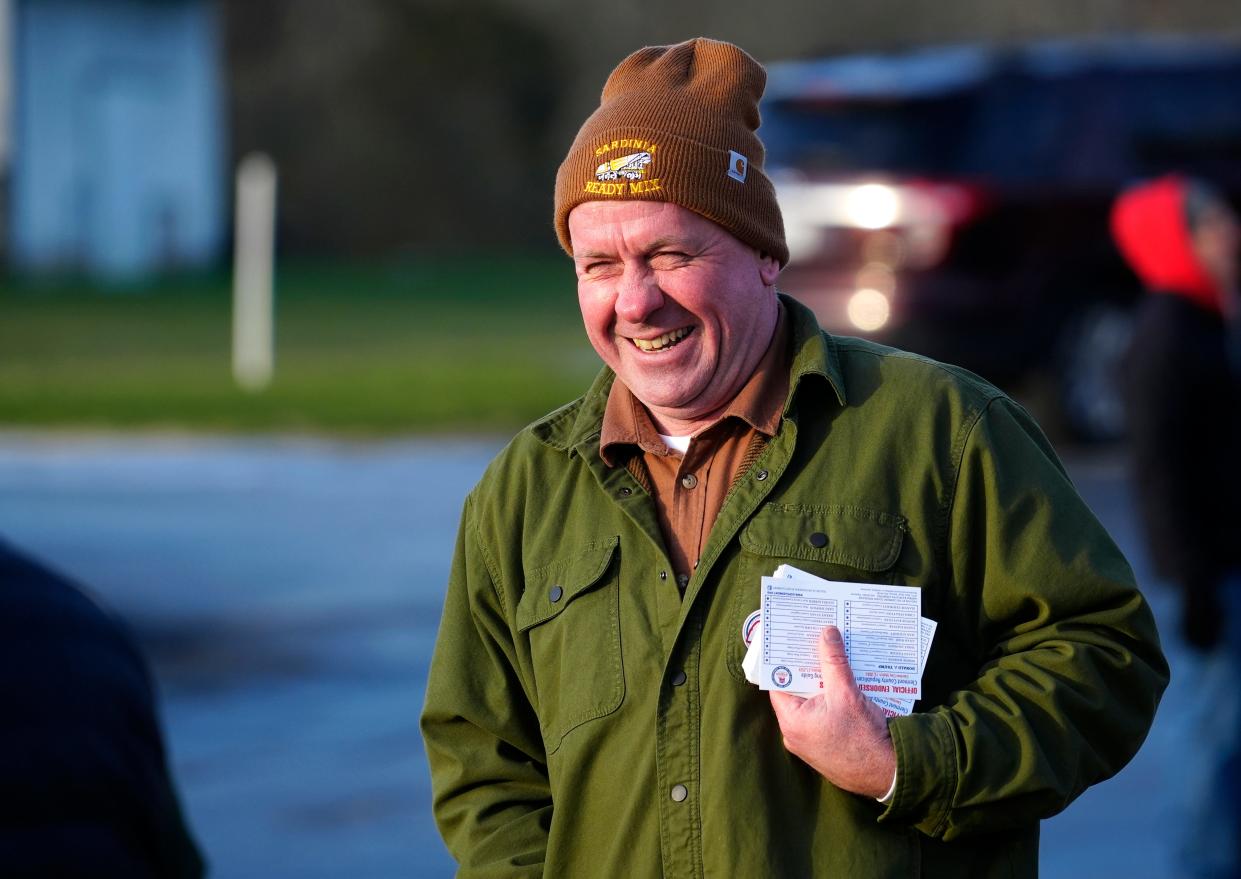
886	637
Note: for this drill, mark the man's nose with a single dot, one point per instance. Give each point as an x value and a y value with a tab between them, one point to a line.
638	296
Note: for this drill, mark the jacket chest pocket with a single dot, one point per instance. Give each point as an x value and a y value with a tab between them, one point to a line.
836	542
570	614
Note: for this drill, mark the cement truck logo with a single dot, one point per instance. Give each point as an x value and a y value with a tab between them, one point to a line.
631	167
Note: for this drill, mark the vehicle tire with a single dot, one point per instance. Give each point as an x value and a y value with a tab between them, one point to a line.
1090	348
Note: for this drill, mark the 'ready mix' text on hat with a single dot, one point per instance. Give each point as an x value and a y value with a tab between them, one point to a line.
677	124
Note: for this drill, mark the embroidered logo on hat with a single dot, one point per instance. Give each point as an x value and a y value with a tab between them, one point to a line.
737	166
625	175
631	167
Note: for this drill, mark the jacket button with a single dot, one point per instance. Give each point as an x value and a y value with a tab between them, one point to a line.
678	679
555	594
760	475
663	575
625	492
818	539
689	480
679	793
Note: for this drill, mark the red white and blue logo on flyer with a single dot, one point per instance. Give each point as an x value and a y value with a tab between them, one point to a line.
747	628
781	676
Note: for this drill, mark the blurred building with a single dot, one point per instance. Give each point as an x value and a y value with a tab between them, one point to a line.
117	141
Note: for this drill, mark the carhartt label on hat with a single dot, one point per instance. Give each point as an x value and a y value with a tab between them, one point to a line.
737	166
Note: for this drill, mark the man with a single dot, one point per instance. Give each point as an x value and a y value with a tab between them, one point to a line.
1183	399
86	785
587	714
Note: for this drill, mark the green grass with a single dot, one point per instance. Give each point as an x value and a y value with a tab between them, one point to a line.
447	346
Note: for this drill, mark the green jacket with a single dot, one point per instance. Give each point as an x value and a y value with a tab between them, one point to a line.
572	689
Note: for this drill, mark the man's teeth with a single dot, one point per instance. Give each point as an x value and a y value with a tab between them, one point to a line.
663	341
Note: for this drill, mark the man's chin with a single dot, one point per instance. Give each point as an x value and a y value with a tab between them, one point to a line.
669	404
664	403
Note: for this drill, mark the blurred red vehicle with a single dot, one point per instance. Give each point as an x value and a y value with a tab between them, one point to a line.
954	201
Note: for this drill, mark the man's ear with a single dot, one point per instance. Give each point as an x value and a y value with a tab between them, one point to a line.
768	268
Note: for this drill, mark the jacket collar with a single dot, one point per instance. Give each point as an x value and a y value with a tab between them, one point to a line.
575	427
814	354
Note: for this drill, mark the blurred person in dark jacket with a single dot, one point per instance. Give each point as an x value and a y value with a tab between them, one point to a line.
1183	398
85	782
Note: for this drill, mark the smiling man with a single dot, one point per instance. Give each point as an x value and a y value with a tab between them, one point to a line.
587	713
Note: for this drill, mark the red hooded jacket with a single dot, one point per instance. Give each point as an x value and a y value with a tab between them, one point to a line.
1151	230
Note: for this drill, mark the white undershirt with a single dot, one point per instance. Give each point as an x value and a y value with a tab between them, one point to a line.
677	443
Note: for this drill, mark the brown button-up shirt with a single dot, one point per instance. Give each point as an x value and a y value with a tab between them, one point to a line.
689	490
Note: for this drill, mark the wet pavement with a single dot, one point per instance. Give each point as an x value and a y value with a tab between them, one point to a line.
288	592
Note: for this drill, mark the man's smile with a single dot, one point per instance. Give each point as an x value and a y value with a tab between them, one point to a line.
659	343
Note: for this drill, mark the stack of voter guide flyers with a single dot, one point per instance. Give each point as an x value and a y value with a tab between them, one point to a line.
886	637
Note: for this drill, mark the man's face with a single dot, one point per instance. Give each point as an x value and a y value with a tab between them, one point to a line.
680	309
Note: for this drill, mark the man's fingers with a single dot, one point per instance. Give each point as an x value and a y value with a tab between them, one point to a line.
784	704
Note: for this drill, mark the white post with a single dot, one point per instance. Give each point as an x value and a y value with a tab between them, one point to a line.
8	62
254	242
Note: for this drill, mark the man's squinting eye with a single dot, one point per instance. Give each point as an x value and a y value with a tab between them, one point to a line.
669	258
592	268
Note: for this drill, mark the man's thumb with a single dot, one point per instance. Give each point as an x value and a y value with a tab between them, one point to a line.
833	661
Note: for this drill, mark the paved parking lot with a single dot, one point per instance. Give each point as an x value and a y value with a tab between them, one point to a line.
289	590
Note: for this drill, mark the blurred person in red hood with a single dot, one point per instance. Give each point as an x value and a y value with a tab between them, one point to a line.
1182	383
1182	388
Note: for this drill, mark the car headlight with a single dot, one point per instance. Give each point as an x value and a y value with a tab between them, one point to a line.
873	206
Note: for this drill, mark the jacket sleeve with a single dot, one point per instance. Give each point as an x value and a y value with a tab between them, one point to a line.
492	800
1068	665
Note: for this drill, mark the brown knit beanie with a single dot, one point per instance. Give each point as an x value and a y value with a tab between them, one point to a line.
677	123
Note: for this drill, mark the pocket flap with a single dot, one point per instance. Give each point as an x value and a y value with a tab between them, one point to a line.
843	535
563	580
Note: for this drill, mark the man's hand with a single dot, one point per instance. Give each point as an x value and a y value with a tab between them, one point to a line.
840	733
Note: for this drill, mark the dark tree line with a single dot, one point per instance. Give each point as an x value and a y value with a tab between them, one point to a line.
405	125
